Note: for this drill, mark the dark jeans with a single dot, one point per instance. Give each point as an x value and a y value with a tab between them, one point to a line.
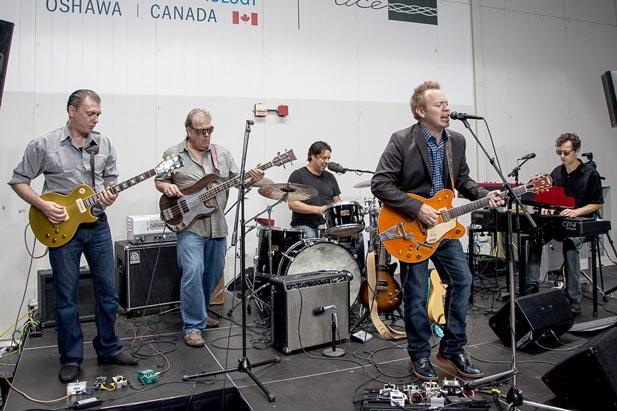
451	263
572	263
94	241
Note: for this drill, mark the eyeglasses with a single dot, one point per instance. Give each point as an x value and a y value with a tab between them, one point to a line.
564	152
202	131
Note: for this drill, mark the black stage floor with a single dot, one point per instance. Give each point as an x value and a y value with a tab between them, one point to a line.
300	381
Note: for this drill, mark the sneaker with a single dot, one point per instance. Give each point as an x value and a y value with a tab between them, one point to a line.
531	288
212	323
194	339
575	308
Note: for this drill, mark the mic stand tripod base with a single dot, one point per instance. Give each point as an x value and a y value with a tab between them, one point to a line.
244	365
336	352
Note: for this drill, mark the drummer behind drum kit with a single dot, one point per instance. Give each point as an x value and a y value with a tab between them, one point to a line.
285	251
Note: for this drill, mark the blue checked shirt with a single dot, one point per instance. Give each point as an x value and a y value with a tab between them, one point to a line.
436	153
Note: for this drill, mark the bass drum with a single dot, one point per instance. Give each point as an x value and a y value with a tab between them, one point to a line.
307	256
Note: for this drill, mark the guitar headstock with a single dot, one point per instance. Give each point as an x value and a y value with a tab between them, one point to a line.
284	158
168	165
539	183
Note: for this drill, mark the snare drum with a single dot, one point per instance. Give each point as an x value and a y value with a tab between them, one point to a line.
343	219
282	240
308	256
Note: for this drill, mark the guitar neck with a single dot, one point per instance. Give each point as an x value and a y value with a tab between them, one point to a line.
456	212
93	199
234	182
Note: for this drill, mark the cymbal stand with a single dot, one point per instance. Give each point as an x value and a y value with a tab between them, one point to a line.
252	291
244	365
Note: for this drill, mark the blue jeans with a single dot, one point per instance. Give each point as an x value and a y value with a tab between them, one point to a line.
451	263
309	232
202	261
94	241
572	263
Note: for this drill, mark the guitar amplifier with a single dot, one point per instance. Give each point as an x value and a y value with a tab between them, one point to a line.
147	274
295	325
87	301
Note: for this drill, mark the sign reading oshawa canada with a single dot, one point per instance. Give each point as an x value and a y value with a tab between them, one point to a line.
154	9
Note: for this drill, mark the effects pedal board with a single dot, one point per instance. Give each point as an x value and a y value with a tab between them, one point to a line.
430	395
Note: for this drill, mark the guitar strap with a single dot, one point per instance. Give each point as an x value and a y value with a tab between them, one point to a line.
384	330
93	149
449	158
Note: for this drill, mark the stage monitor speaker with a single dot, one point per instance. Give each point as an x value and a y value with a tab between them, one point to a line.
47	311
537	316
294	297
6	36
609	82
587	380
147	274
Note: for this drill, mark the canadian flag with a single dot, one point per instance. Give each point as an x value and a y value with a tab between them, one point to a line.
245	18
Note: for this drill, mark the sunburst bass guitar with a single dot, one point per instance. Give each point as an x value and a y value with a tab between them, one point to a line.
179	213
78	206
412	241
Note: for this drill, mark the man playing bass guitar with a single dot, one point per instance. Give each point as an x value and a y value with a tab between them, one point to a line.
201	246
424	159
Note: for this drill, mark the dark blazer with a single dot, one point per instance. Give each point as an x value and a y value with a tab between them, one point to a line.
404	168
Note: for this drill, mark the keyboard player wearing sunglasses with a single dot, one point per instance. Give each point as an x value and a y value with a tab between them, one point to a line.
582	182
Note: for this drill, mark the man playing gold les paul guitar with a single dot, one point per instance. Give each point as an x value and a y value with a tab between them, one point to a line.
424	159
65	157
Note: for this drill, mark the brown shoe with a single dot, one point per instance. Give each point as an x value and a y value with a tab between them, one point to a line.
212	323
194	339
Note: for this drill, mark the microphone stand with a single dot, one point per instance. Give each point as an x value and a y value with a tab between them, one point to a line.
515	395
359	171
244	365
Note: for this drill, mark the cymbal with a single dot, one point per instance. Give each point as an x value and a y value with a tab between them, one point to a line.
363	184
263	182
288	192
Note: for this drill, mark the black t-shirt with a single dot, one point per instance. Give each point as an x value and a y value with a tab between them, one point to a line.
583	184
327	188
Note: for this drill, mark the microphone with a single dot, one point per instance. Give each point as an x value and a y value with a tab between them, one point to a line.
528	156
321	309
336	167
464	116
250	122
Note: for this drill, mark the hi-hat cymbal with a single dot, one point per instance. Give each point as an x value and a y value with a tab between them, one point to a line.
263	182
288	192
363	184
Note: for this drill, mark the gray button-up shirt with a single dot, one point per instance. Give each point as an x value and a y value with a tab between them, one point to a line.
64	165
214	225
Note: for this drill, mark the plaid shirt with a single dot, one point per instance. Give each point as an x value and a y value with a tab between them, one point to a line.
436	154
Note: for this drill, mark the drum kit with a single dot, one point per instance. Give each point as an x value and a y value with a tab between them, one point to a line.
285	251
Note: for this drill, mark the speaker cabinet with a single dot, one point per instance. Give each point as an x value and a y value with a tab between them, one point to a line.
295	325
147	274
609	81
6	35
588	379
537	316
47	311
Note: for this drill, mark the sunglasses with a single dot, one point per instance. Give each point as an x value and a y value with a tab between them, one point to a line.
564	152
202	131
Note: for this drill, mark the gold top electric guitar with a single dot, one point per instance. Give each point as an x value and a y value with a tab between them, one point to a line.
79	203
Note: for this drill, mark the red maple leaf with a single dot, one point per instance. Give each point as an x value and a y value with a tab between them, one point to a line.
245	18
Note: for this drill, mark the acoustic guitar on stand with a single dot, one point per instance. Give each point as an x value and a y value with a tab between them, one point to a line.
78	206
412	241
179	213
